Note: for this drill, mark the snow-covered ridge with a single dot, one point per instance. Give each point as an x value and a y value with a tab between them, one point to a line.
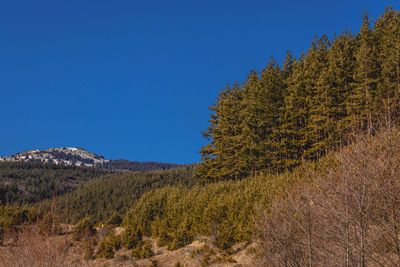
64	155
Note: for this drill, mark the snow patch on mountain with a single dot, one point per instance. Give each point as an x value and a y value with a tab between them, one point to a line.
60	155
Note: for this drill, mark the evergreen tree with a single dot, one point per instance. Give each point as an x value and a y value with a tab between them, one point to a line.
337	81
295	116
263	102
387	29
361	105
285	147
315	66
280	116
220	156
252	109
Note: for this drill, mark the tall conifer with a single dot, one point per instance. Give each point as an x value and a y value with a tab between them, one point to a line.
280	116
361	105
387	29
315	65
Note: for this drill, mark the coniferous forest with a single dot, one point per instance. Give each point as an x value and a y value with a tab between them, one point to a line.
299	110
302	168
30	182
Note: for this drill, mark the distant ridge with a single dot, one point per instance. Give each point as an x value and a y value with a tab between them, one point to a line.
75	156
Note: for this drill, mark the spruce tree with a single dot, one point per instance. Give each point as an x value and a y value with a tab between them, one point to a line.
219	157
337	82
361	104
263	101
315	65
295	116
283	115
387	29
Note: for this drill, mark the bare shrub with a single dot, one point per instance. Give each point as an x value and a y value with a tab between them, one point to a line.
347	216
36	250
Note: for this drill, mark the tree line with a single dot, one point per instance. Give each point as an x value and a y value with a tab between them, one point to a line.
299	110
29	182
123	164
100	198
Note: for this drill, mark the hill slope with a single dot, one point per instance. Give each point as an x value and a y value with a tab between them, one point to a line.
116	193
60	155
235	211
75	156
28	182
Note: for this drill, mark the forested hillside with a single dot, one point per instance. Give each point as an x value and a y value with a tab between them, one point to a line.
286	119
28	182
282	115
303	163
345	206
25	182
122	164
225	210
116	193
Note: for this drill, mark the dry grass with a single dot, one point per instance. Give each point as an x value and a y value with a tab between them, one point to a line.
29	248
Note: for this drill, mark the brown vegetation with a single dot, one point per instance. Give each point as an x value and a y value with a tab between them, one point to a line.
347	216
31	248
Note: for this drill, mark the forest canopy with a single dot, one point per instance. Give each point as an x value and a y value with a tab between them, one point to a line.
299	110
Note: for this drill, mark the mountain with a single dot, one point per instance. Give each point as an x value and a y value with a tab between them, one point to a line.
75	156
60	155
28	182
34	175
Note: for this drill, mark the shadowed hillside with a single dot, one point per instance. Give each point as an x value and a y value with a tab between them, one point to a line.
29	182
116	193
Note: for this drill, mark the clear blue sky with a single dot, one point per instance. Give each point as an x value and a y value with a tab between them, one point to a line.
134	79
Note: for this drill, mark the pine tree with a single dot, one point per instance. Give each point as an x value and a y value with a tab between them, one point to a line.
284	157
280	116
315	65
220	156
387	29
273	84
361	106
337	81
263	101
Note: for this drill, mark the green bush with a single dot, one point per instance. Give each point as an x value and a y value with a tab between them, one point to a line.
108	245
132	237
164	239
147	249
143	251
199	251
13	217
206	260
224	210
84	229
224	259
115	219
175	244
224	239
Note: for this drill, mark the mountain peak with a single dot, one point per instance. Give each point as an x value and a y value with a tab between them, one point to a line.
76	156
59	155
